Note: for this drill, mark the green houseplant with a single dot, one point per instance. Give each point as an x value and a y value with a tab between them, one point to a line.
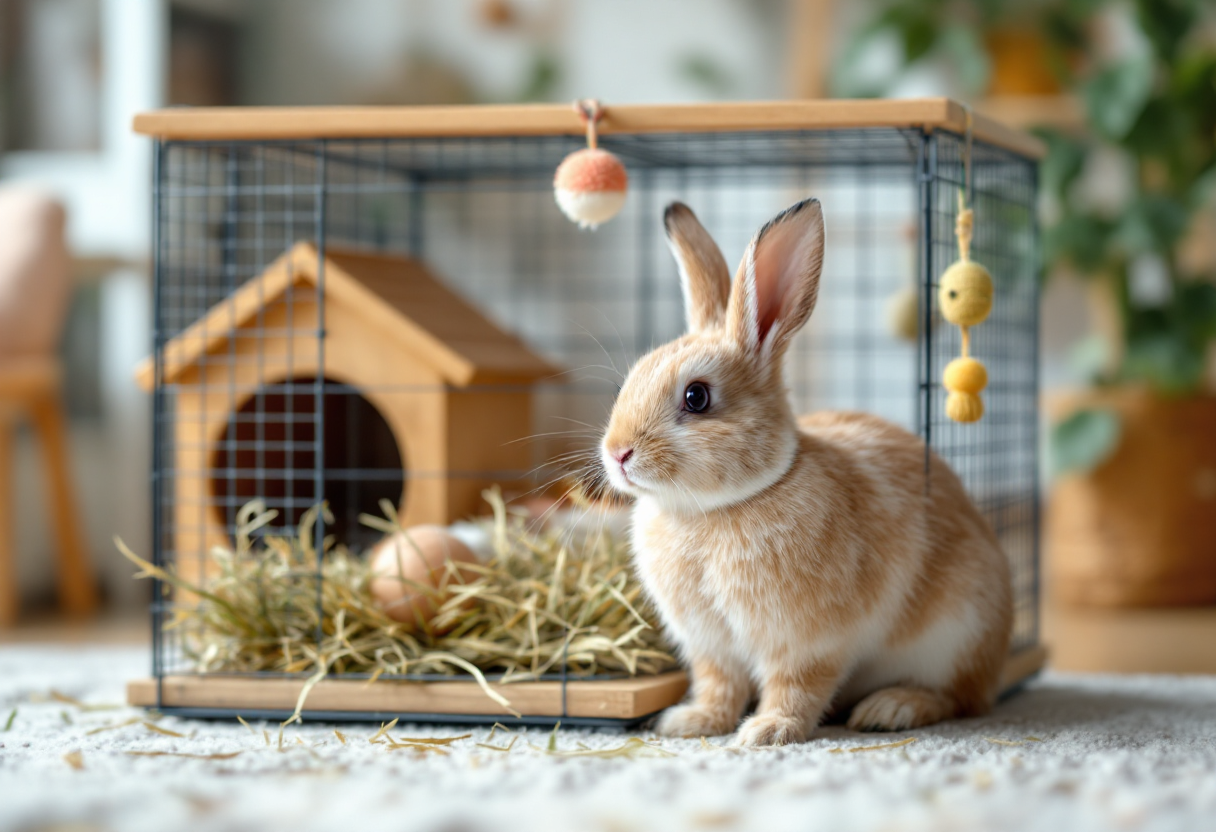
1133	515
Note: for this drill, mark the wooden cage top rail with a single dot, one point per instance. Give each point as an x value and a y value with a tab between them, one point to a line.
300	123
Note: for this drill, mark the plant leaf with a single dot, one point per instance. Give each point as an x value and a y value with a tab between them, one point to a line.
1153	223
1166	360
1084	440
1080	239
1115	96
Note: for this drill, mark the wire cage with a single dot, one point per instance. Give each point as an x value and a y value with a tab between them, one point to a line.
262	388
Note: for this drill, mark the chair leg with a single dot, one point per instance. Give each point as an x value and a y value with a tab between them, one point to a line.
10	597
77	585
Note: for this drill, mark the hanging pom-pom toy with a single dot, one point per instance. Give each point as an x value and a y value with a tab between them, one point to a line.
590	184
965	299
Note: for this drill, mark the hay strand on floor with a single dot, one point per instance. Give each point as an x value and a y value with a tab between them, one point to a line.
225	756
882	747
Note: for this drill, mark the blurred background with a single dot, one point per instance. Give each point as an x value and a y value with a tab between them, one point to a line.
1123	93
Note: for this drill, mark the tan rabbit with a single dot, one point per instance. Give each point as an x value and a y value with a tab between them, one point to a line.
809	560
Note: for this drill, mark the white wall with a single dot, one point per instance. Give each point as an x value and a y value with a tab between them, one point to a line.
322	52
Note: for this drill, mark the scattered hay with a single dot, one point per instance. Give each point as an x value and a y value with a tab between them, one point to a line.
505	749
115	726
156	729
543	599
434	740
8	723
881	747
498	726
225	756
384	729
632	748
996	741
419	747
56	696
74	759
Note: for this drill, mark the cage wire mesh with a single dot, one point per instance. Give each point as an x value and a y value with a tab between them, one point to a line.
257	415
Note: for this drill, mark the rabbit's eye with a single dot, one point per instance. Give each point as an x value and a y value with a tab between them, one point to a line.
696	397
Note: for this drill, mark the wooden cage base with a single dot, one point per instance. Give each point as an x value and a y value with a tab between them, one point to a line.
611	700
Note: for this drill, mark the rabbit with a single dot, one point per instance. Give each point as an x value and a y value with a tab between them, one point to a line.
811	561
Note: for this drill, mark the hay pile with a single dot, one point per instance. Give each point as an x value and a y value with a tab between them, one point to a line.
541	599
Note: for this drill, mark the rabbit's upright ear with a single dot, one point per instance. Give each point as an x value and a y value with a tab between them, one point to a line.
704	276
778	281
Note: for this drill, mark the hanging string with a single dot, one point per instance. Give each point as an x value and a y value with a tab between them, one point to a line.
590	112
965	224
965	299
967	135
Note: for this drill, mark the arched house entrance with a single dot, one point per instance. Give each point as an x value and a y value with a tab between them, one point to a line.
407	363
269	449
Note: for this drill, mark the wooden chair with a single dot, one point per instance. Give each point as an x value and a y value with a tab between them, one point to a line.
29	389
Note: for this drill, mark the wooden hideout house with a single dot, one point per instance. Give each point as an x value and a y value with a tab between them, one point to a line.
411	395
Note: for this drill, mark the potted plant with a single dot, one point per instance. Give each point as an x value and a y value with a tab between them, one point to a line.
1132	518
982	47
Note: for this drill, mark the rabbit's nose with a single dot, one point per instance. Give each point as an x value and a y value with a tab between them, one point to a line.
622	456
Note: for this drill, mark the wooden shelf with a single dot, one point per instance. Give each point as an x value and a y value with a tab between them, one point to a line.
266	123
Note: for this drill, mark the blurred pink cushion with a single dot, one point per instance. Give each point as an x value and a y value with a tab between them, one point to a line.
34	272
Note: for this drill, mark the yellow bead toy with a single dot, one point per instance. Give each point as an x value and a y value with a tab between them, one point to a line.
965	295
965	299
964	407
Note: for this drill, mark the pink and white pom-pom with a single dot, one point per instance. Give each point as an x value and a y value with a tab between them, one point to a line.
590	184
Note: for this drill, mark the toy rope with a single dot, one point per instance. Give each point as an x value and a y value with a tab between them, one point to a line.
963	229
964	226
590	111
965	299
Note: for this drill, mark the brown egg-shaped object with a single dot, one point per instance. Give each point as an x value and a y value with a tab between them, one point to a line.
965	293
406	561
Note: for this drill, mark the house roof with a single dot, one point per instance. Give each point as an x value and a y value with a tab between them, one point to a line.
398	293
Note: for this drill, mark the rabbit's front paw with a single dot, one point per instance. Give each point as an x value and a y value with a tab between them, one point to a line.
899	709
771	729
694	721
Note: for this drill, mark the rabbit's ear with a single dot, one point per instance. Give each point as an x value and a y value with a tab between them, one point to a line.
704	276
778	281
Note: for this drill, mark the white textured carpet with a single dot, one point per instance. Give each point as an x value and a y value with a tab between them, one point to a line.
1124	753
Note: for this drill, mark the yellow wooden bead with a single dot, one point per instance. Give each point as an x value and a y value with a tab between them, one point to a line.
965	375
964	407
965	293
903	314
